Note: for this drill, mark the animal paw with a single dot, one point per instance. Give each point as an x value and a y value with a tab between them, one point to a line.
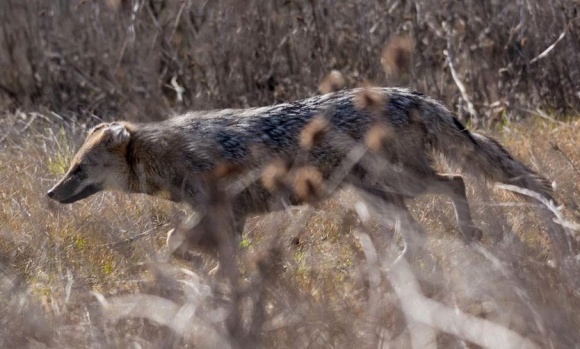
472	234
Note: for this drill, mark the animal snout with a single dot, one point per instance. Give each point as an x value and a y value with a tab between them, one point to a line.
50	194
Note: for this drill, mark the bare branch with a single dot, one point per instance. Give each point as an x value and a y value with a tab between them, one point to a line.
550	48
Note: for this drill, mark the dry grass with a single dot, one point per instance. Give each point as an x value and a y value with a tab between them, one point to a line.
97	273
145	59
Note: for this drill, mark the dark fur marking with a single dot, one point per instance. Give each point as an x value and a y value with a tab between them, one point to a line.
232	147
464	129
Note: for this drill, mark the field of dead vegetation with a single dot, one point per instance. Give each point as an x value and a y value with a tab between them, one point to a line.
97	273
332	274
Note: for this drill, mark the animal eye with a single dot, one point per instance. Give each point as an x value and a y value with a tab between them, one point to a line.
78	169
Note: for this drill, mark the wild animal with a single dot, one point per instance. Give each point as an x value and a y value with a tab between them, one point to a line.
397	132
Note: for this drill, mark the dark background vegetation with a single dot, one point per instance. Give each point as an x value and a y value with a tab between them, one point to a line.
117	58
98	274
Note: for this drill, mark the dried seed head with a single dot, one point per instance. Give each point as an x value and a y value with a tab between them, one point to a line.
378	136
223	170
313	132
369	100
113	4
333	82
397	55
274	176
307	182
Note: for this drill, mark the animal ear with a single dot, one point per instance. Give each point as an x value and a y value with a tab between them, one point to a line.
118	134
98	127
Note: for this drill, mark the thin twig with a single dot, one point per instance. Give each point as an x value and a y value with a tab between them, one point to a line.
557	148
134	237
429	314
29	123
177	19
456	79
543	115
550	48
558	219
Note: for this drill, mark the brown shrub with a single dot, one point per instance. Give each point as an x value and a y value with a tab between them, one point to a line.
129	60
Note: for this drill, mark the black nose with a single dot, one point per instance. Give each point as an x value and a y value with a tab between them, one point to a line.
50	194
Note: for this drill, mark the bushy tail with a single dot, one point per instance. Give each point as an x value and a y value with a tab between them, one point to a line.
482	156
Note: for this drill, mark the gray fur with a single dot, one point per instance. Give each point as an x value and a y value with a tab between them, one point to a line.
175	156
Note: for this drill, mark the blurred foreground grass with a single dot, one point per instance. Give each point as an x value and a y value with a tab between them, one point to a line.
57	260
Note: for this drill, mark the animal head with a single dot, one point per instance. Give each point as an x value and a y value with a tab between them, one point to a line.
100	164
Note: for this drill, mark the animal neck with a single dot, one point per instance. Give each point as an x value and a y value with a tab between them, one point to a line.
141	160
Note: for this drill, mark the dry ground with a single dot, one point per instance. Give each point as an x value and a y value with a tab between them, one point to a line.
97	273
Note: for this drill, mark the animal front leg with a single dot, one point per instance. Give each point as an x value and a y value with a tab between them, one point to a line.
191	235
205	233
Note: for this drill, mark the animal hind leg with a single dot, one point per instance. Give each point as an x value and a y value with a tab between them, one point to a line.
454	187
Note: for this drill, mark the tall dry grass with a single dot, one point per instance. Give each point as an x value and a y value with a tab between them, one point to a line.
97	273
143	59
330	274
